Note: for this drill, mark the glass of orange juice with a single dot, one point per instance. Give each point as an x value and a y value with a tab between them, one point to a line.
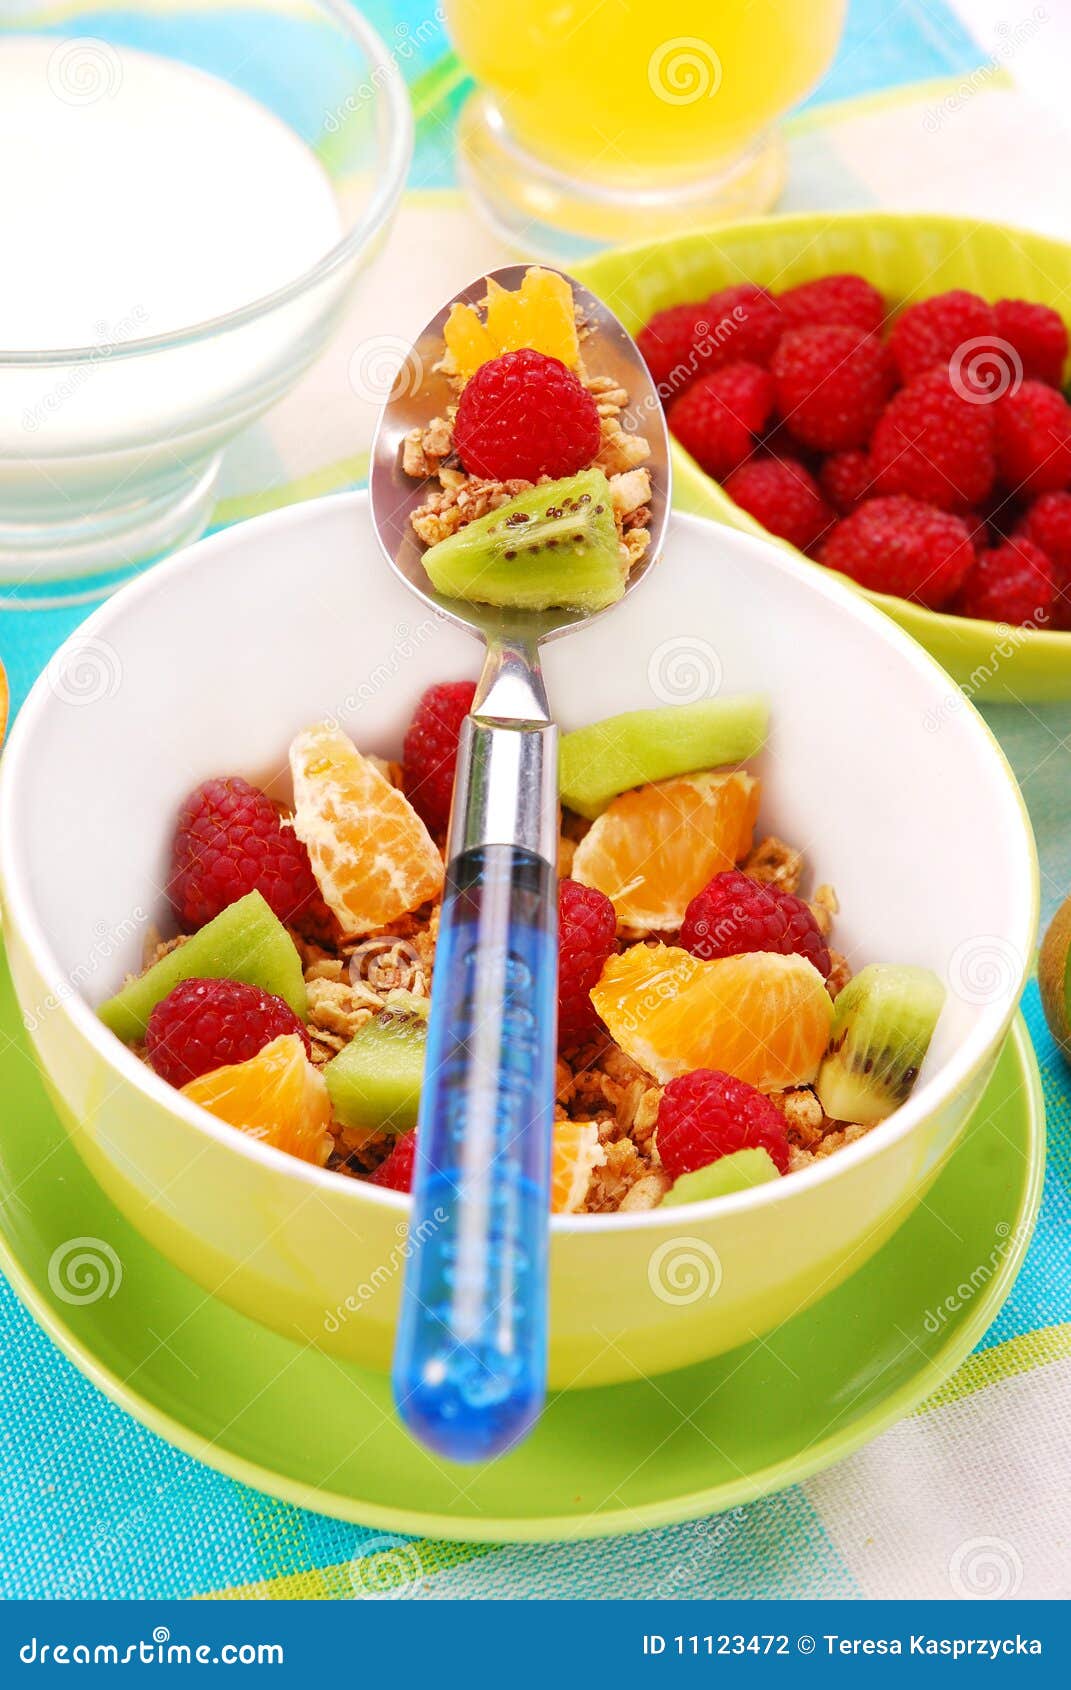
608	120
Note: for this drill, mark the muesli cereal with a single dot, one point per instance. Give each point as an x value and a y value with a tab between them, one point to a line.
709	1037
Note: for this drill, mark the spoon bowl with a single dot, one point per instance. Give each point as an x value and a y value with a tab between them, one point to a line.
422	391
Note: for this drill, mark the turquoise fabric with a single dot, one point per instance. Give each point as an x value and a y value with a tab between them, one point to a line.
93	1505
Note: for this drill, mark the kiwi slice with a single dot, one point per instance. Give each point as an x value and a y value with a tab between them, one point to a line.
555	544
374	1081
883	1022
245	942
738	1171
608	757
1054	976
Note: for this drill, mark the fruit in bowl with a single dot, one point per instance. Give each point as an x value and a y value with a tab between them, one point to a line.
536	492
702	1013
317	1252
882	394
936	460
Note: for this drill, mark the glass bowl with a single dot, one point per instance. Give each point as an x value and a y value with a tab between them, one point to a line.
110	448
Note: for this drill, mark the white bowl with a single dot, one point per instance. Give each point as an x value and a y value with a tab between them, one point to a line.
876	766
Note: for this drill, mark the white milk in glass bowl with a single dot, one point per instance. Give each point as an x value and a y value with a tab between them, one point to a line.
186	197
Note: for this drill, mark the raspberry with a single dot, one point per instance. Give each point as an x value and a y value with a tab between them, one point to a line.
778	443
745	324
1033	439
846	480
429	754
677	346
1048	524
718	417
932	332
1039	336
734	913
846	299
832	384
207	1024
229	841
1013	583
935	445
901	546
779	493
524	415
396	1170
706	1115
587	934
984	526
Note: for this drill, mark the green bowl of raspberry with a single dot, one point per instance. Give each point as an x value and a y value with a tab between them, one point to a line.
882	393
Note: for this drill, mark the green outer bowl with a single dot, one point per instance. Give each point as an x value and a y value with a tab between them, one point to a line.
702	1440
908	257
318	1257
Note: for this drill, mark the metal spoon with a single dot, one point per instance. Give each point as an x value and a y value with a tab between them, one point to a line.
470	1353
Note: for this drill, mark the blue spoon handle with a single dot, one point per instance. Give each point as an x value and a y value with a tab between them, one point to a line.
470	1362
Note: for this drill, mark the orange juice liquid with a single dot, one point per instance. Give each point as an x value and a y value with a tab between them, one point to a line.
643	87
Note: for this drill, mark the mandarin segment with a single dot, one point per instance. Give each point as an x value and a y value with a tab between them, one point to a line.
575	1154
539	314
373	858
552	314
761	1017
467	341
505	318
277	1096
654	848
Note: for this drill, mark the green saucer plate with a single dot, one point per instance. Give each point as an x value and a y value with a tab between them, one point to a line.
293	1422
